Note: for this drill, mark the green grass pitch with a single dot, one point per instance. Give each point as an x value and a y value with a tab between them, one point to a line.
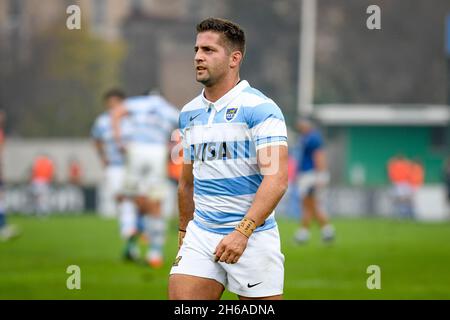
414	259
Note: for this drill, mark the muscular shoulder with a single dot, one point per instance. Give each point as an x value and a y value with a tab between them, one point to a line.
102	120
258	107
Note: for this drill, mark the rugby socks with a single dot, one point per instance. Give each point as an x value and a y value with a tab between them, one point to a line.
127	218
156	229
128	228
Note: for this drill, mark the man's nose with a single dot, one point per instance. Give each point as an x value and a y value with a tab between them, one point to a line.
198	56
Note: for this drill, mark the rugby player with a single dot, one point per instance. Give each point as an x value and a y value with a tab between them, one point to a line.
234	174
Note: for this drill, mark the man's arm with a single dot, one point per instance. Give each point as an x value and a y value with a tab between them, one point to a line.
185	199
101	151
321	168
116	117
320	163
274	161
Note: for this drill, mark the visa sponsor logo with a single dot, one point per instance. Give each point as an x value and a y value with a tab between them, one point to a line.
225	150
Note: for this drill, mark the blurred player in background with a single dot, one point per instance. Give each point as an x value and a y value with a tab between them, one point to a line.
152	120
114	204
42	177
74	172
313	178
7	231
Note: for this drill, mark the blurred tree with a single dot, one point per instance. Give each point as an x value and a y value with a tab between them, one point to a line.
61	87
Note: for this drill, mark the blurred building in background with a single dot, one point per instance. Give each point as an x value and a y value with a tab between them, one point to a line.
377	92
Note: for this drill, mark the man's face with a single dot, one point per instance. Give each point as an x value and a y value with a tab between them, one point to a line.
303	126
212	59
112	102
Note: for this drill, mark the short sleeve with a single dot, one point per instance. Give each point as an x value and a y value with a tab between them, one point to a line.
316	142
96	131
267	125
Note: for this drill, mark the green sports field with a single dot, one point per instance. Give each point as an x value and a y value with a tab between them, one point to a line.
414	259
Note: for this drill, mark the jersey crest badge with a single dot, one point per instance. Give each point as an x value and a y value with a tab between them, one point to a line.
231	113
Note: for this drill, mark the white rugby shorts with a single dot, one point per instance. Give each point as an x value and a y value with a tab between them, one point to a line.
258	273
146	172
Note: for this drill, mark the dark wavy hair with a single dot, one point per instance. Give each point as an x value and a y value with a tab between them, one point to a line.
232	33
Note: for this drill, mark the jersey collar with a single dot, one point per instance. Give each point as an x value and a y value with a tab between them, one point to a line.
225	99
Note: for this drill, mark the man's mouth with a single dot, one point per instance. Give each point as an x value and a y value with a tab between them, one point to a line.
200	68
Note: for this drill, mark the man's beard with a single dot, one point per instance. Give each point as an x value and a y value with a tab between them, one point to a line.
207	82
211	80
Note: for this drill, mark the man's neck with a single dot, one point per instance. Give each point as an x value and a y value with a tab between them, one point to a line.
218	90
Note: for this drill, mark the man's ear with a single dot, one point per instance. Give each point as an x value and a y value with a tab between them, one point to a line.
235	59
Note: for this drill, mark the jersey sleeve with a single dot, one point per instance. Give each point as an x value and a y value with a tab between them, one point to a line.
267	125
316	142
96	130
133	105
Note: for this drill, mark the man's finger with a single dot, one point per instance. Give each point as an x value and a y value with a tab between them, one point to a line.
225	256
231	258
219	251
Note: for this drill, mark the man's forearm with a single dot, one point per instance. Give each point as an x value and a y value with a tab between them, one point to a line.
185	204
101	152
269	193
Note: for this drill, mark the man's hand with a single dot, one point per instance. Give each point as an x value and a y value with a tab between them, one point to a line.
231	248
122	148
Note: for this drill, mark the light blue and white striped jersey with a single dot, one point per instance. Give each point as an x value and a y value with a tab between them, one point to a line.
221	139
102	130
152	117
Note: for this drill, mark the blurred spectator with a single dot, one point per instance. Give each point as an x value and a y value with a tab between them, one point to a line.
399	172
42	175
416	179
416	174
75	172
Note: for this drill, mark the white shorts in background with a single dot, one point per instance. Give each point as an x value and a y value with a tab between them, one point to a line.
146	172
306	182
111	187
311	183
258	273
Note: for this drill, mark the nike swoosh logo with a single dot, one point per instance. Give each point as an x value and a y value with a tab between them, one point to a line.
252	285
192	118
